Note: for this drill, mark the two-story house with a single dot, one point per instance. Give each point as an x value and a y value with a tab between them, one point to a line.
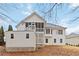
33	32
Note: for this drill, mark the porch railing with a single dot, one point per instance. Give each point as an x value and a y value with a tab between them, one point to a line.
39	29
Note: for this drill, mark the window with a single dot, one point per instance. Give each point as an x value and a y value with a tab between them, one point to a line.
46	40
54	40
33	23
29	23
61	41
12	36
47	31
26	24
27	36
60	31
51	31
42	25
39	25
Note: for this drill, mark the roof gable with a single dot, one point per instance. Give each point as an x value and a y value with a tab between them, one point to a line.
34	13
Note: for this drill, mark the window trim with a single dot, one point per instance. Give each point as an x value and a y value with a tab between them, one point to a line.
27	36
12	36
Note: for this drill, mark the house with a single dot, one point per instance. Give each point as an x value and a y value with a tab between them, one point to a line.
72	39
34	32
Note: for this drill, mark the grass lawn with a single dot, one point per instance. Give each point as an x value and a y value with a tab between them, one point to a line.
45	51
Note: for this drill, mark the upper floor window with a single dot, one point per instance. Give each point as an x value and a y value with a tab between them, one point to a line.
27	24
54	40
60	31
51	31
12	36
61	40
39	25
27	36
47	31
42	25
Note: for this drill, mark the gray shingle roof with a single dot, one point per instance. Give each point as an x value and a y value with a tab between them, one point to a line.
54	26
72	35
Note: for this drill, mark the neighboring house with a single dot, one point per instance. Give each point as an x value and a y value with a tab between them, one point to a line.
33	32
72	39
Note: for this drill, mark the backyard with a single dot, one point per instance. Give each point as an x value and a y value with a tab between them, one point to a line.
45	51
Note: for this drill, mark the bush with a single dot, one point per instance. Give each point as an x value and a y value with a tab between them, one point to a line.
77	45
71	45
66	43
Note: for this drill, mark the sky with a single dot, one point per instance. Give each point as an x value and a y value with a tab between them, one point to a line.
66	14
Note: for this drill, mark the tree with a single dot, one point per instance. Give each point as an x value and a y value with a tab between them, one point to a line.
1	36
2	30
10	28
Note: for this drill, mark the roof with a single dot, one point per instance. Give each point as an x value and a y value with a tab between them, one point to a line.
47	24
54	26
72	35
33	13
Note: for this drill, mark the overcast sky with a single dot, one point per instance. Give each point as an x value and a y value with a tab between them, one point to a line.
65	15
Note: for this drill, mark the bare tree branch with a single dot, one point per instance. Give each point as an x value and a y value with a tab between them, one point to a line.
51	8
56	15
8	17
3	8
75	19
73	10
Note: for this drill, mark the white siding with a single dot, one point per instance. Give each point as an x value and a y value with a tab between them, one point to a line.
56	36
33	18
21	27
20	39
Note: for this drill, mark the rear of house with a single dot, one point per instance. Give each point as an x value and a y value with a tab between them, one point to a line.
33	32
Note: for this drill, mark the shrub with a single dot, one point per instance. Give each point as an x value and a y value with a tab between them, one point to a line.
66	43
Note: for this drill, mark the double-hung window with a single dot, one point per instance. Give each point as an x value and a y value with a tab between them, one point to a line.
12	36
27	36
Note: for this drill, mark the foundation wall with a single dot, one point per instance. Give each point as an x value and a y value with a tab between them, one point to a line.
14	49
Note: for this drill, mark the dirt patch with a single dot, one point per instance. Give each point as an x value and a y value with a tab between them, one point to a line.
45	51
